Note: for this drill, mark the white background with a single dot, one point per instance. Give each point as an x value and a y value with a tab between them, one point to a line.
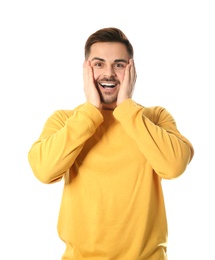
41	56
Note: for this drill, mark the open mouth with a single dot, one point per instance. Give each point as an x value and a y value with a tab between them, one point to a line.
107	85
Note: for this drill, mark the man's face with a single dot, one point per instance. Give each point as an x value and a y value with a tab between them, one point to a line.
108	60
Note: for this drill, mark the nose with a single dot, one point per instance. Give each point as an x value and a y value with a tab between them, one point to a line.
109	71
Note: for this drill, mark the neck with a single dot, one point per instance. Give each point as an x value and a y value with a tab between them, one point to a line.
108	106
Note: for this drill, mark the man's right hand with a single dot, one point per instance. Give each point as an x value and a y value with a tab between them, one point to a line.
91	92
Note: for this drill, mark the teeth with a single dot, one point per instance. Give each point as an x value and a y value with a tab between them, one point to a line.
107	85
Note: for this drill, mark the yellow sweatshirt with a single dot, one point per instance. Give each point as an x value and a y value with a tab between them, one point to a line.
112	163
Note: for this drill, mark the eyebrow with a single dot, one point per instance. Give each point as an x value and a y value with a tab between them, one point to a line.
117	60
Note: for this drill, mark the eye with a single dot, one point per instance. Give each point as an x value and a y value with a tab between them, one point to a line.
119	65
98	64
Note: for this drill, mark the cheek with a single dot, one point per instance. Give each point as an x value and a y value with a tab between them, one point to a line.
120	75
96	74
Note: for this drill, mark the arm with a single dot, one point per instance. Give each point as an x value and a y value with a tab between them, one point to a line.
155	132
61	140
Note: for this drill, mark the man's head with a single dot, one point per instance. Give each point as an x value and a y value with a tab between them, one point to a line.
110	34
109	53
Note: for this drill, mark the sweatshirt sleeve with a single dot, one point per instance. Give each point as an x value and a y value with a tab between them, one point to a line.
61	140
154	131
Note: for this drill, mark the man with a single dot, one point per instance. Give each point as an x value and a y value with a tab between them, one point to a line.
113	154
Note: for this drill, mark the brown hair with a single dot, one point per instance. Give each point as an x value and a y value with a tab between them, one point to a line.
110	34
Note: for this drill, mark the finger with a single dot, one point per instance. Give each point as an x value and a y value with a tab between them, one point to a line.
133	74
